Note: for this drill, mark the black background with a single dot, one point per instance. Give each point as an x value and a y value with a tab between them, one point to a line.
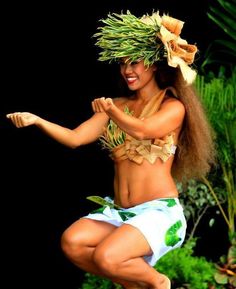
50	68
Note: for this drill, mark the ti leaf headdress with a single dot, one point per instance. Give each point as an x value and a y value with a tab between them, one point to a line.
151	38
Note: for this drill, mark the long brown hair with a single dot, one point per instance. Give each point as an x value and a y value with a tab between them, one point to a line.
196	151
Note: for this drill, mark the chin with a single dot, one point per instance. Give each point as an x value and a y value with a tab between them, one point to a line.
132	87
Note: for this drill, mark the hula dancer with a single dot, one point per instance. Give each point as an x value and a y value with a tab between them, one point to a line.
156	136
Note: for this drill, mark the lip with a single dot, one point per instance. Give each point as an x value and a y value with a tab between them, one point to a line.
131	80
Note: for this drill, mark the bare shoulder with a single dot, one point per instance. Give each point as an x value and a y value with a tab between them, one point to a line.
120	101
174	105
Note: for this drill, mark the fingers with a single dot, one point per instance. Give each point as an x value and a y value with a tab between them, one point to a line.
14	117
98	104
20	119
102	104
95	106
109	102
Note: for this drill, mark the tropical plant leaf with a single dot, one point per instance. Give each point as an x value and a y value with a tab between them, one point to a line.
232	281
221	278
231	258
229	7
224	16
227	26
228	44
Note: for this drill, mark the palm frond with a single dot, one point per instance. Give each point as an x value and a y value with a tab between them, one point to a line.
222	51
226	23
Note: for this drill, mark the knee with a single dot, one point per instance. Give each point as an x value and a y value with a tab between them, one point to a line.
105	261
71	244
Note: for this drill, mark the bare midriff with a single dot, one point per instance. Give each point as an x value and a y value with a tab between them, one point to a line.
135	184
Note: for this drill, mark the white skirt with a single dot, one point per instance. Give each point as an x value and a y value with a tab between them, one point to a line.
161	221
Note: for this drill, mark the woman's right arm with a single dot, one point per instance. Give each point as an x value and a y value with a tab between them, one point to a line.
85	133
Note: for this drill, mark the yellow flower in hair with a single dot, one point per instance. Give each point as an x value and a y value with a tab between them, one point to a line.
172	24
179	52
155	18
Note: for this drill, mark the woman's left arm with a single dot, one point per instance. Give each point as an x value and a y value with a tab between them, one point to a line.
168	118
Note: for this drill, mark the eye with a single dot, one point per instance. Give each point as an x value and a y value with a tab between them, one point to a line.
134	62
121	63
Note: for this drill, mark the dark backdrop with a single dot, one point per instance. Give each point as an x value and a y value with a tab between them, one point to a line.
50	68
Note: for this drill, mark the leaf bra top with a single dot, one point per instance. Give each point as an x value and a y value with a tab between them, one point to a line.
122	146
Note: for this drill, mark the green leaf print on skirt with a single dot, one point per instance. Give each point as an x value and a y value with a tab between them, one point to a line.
171	237
170	202
126	215
99	210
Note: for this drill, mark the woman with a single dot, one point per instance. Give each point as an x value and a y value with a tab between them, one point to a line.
154	137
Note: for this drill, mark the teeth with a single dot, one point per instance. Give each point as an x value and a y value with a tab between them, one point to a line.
131	78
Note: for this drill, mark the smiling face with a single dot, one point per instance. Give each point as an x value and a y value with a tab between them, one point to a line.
136	74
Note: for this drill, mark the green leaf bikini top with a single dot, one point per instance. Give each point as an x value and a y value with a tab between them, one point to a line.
122	146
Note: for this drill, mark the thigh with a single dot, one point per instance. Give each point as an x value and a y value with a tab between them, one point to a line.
124	243
88	232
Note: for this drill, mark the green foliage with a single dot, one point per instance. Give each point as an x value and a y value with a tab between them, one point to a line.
226	273
186	270
91	282
219	98
223	51
196	200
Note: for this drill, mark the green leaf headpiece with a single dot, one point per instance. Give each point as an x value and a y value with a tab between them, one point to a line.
151	38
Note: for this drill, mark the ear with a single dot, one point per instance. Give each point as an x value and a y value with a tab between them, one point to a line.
154	68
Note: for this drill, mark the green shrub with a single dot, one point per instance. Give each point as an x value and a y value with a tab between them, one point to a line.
95	282
186	270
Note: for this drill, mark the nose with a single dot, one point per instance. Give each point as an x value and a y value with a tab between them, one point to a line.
127	68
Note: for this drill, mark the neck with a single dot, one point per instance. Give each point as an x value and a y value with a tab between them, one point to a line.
145	97
154	104
147	92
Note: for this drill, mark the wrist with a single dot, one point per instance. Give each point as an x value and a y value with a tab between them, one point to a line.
38	121
112	111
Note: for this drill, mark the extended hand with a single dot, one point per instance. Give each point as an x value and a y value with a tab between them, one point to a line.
22	119
102	104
